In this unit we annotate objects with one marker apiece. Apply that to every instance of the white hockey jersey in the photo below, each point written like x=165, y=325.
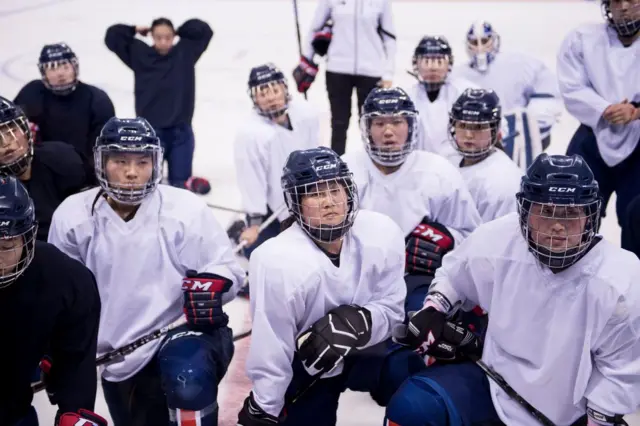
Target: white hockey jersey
x=521, y=82
x=561, y=340
x=294, y=284
x=493, y=184
x=595, y=70
x=433, y=132
x=261, y=150
x=425, y=185
x=363, y=41
x=139, y=264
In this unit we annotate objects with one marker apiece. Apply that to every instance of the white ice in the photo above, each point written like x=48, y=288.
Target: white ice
x=248, y=33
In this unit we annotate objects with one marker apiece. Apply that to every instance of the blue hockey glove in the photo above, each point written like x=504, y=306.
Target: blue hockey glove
x=203, y=298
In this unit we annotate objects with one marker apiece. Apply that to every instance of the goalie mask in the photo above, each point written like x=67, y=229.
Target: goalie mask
x=59, y=67
x=623, y=16
x=483, y=43
x=128, y=159
x=432, y=61
x=474, y=123
x=320, y=193
x=16, y=149
x=269, y=91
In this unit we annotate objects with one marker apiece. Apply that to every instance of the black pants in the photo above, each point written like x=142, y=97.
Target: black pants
x=340, y=88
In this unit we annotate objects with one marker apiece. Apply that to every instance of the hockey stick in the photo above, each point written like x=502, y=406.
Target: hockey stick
x=297, y=18
x=262, y=227
x=225, y=209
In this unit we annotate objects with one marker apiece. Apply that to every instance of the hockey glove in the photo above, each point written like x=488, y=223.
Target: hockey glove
x=304, y=74
x=252, y=415
x=198, y=185
x=235, y=230
x=82, y=417
x=431, y=334
x=425, y=247
x=203, y=298
x=322, y=39
x=324, y=346
x=596, y=418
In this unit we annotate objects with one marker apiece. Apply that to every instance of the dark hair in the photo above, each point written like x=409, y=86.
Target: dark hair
x=285, y=224
x=162, y=21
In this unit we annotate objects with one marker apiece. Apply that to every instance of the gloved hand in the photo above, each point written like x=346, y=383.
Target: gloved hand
x=81, y=418
x=425, y=247
x=203, y=298
x=305, y=74
x=322, y=39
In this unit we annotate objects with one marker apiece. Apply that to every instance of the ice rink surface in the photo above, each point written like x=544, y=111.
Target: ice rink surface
x=248, y=33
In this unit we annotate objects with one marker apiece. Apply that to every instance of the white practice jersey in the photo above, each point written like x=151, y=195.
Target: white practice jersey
x=261, y=150
x=521, y=82
x=561, y=340
x=433, y=132
x=493, y=183
x=426, y=185
x=294, y=284
x=139, y=264
x=595, y=70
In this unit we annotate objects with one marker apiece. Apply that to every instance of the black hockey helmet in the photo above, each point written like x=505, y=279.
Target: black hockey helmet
x=16, y=137
x=304, y=174
x=436, y=48
x=626, y=25
x=18, y=225
x=120, y=136
x=263, y=77
x=52, y=56
x=480, y=110
x=563, y=189
x=389, y=102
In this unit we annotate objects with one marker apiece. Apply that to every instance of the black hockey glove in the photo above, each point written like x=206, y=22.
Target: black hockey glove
x=322, y=39
x=305, y=74
x=425, y=247
x=235, y=230
x=430, y=333
x=325, y=344
x=599, y=418
x=203, y=298
x=252, y=415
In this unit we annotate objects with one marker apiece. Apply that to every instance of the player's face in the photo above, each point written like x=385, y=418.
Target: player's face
x=60, y=74
x=14, y=143
x=433, y=68
x=389, y=132
x=10, y=254
x=270, y=97
x=625, y=10
x=557, y=228
x=325, y=203
x=472, y=137
x=129, y=170
x=480, y=45
x=163, y=36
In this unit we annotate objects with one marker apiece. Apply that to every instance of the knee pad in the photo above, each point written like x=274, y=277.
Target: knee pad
x=420, y=401
x=398, y=366
x=189, y=379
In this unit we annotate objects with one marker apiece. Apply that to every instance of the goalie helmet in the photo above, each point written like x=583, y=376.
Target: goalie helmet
x=474, y=123
x=53, y=56
x=432, y=61
x=559, y=207
x=16, y=138
x=120, y=141
x=483, y=43
x=322, y=177
x=624, y=17
x=269, y=91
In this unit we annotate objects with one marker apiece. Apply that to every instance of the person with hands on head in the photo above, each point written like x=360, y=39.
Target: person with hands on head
x=358, y=39
x=165, y=84
x=564, y=315
x=324, y=289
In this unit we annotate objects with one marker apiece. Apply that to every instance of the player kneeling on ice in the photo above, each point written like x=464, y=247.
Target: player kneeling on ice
x=48, y=303
x=325, y=288
x=491, y=176
x=140, y=239
x=564, y=315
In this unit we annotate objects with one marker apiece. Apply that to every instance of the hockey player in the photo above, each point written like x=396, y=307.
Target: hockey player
x=595, y=63
x=140, y=238
x=491, y=176
x=564, y=315
x=165, y=85
x=277, y=125
x=49, y=303
x=434, y=93
x=525, y=86
x=50, y=171
x=322, y=290
x=62, y=107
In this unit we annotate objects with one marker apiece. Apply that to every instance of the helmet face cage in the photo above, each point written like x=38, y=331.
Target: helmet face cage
x=12, y=133
x=332, y=207
x=274, y=88
x=128, y=193
x=432, y=64
x=9, y=273
x=572, y=239
x=483, y=43
x=64, y=89
x=484, y=139
x=384, y=156
x=626, y=24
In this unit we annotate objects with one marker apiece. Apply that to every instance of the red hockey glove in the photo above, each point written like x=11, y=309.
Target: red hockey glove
x=425, y=247
x=203, y=298
x=81, y=418
x=198, y=185
x=304, y=74
x=322, y=39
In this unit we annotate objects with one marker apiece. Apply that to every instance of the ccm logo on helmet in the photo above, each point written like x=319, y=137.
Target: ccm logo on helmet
x=131, y=138
x=327, y=167
x=561, y=189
